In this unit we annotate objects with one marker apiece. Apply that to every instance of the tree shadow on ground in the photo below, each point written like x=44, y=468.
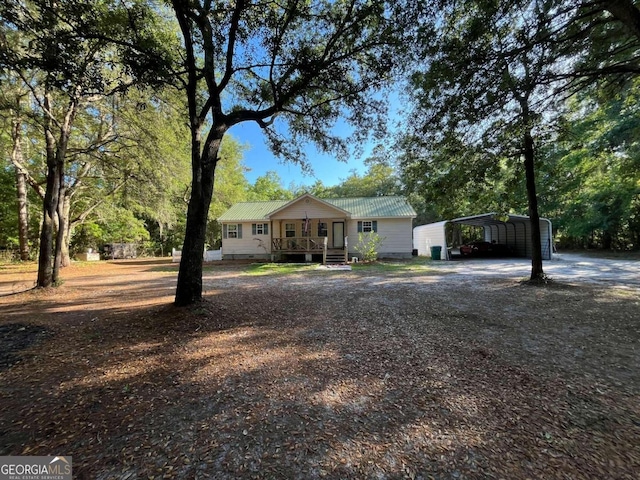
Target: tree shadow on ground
x=271, y=380
x=15, y=337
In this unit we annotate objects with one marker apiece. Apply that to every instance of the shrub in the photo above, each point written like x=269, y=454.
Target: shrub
x=368, y=246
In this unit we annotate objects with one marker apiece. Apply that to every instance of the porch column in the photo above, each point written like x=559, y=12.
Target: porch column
x=272, y=255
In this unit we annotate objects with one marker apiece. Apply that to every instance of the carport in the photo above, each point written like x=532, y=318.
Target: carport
x=514, y=231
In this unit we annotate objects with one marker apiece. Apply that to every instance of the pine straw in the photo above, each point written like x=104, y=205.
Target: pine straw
x=316, y=375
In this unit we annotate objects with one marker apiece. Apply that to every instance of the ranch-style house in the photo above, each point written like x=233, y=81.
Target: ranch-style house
x=309, y=228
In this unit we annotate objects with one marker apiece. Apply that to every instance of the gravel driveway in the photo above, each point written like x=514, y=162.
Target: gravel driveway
x=564, y=267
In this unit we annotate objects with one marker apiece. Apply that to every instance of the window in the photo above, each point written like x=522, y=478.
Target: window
x=233, y=230
x=322, y=229
x=367, y=226
x=289, y=230
x=260, y=229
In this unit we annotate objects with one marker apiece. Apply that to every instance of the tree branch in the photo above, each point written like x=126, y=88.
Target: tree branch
x=233, y=33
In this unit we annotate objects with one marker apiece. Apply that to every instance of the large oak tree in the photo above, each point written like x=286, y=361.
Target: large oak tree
x=293, y=67
x=68, y=54
x=486, y=88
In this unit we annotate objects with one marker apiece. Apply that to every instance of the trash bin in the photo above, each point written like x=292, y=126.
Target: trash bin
x=435, y=252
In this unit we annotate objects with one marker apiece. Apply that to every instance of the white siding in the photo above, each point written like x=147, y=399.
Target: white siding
x=431, y=235
x=314, y=209
x=395, y=232
x=249, y=244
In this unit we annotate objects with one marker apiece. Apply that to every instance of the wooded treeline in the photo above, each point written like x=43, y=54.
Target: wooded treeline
x=115, y=115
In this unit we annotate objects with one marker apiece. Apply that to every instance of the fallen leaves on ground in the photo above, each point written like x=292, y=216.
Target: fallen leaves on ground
x=310, y=375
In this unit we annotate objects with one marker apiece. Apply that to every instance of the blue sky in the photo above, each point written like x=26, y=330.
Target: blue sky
x=260, y=160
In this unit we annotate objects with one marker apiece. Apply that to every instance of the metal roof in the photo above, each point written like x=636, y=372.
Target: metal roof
x=372, y=207
x=245, y=211
x=359, y=207
x=491, y=218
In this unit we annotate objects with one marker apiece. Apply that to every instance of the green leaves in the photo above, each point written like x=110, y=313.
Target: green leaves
x=594, y=173
x=368, y=245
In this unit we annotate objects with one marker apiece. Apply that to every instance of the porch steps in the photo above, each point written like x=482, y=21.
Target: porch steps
x=335, y=258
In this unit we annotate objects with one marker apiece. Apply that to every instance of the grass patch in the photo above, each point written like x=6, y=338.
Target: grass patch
x=174, y=267
x=259, y=269
x=415, y=265
x=19, y=267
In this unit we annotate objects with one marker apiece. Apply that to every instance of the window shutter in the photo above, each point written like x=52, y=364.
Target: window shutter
x=224, y=230
x=253, y=229
x=374, y=225
x=359, y=227
x=266, y=229
x=239, y=230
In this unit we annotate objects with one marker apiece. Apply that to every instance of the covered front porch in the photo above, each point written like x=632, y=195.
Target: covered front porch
x=313, y=248
x=310, y=228
x=317, y=239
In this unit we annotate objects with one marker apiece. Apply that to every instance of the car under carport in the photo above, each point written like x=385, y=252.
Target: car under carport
x=512, y=231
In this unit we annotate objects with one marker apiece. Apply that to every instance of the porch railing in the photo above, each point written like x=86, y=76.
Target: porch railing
x=299, y=244
x=308, y=245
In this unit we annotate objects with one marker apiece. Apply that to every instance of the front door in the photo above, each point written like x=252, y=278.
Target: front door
x=338, y=234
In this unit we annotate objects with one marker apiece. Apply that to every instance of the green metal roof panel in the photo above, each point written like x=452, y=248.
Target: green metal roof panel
x=372, y=207
x=359, y=207
x=251, y=210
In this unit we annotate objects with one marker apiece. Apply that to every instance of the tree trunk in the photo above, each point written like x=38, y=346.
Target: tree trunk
x=536, y=244
x=65, y=258
x=626, y=12
x=21, y=189
x=161, y=235
x=50, y=204
x=203, y=158
x=50, y=258
x=189, y=289
x=62, y=224
x=23, y=215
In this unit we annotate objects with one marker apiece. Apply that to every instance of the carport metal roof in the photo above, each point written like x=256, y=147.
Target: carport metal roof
x=489, y=219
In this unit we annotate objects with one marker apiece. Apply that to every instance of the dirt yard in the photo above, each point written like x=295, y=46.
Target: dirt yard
x=383, y=372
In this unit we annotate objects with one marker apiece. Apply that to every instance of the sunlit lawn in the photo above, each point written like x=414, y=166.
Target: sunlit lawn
x=258, y=269
x=415, y=265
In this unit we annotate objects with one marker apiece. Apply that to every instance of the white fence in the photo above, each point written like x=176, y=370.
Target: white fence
x=209, y=255
x=212, y=255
